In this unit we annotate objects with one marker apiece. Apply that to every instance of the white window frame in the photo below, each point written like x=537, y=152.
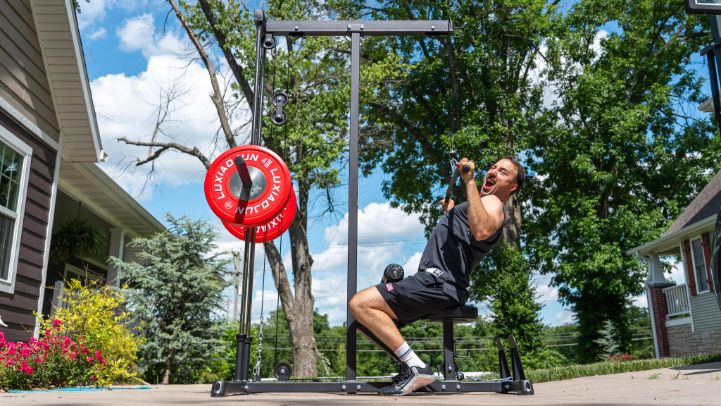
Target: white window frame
x=693, y=263
x=8, y=285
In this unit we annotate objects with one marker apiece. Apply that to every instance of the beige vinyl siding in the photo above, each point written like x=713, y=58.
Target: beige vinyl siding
x=706, y=312
x=23, y=82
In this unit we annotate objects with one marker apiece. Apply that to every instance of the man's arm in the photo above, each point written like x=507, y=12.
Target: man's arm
x=485, y=214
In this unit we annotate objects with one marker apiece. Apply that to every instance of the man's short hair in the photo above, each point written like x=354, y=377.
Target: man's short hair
x=520, y=172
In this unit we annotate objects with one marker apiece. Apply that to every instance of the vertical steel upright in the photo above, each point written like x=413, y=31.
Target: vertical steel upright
x=713, y=56
x=352, y=274
x=243, y=338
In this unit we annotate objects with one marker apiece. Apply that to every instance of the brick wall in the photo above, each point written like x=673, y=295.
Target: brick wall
x=660, y=310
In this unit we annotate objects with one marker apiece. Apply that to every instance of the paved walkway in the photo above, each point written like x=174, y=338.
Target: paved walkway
x=692, y=385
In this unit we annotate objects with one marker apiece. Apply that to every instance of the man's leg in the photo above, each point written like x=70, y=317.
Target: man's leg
x=371, y=310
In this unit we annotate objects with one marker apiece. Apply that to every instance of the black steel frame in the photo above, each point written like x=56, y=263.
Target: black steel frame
x=696, y=7
x=242, y=384
x=713, y=59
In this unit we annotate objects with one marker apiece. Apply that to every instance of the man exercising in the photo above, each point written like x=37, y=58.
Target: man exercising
x=458, y=243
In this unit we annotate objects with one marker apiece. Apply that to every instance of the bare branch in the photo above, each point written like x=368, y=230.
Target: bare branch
x=217, y=96
x=238, y=70
x=164, y=146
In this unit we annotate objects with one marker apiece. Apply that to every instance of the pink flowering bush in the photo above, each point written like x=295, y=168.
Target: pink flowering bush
x=55, y=360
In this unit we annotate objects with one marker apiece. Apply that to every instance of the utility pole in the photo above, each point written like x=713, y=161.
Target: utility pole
x=236, y=282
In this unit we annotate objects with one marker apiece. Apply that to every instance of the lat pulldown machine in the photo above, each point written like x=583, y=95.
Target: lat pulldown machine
x=509, y=382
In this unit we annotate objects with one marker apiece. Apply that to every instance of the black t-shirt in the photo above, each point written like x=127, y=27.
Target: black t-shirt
x=452, y=249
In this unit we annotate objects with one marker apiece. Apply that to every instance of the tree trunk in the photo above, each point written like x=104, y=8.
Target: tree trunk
x=166, y=372
x=512, y=222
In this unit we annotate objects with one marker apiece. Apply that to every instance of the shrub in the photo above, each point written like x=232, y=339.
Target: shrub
x=93, y=315
x=53, y=361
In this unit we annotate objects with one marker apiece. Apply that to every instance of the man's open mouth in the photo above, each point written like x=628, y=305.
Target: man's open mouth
x=488, y=184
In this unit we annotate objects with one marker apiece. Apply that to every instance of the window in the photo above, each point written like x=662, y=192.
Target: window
x=699, y=266
x=14, y=171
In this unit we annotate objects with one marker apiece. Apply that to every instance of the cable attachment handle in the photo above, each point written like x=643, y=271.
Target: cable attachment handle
x=454, y=161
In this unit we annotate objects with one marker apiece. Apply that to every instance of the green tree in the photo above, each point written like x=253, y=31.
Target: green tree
x=473, y=92
x=619, y=154
x=476, y=92
x=173, y=290
x=505, y=279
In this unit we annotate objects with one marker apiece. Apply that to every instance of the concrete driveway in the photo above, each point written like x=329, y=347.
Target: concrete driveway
x=690, y=385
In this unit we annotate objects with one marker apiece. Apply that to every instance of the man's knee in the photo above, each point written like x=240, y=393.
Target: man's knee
x=356, y=304
x=364, y=300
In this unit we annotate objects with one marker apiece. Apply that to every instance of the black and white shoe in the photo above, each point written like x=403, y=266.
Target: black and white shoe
x=408, y=380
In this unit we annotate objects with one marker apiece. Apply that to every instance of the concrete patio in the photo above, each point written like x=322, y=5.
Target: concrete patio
x=690, y=385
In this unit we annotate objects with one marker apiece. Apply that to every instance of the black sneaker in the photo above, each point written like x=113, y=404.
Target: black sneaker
x=408, y=380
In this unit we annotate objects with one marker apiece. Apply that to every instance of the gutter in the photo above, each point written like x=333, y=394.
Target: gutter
x=691, y=229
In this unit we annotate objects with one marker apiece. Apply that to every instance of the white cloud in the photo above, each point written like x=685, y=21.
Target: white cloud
x=138, y=34
x=382, y=234
x=98, y=34
x=564, y=316
x=127, y=106
x=377, y=222
x=91, y=13
x=94, y=12
x=597, y=45
x=640, y=301
x=411, y=266
x=551, y=92
x=546, y=294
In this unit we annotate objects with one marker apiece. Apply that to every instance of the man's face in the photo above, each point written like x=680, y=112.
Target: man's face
x=500, y=180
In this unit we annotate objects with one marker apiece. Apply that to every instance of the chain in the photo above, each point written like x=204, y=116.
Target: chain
x=259, y=358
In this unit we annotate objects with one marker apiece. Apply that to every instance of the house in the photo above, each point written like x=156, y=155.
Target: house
x=685, y=315
x=49, y=147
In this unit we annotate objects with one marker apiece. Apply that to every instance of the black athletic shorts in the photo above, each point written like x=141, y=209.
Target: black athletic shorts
x=416, y=296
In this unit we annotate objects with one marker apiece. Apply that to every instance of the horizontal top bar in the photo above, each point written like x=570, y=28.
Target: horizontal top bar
x=338, y=28
x=711, y=47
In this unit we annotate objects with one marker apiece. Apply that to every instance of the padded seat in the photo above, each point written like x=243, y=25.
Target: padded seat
x=456, y=314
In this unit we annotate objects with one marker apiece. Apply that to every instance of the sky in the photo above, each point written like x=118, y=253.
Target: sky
x=136, y=57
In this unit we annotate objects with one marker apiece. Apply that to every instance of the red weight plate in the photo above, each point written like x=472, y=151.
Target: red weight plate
x=249, y=207
x=273, y=228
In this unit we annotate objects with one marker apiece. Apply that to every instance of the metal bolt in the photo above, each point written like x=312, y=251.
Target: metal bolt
x=458, y=386
x=450, y=368
x=348, y=27
x=433, y=27
x=296, y=28
x=342, y=387
x=443, y=386
x=358, y=387
x=362, y=26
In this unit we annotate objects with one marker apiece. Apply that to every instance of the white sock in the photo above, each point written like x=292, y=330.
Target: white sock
x=408, y=356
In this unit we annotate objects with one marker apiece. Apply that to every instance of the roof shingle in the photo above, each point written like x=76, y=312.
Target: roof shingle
x=706, y=204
